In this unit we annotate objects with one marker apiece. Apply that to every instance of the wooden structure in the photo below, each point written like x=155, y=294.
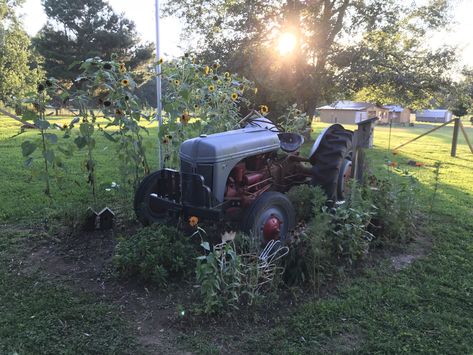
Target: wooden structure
x=397, y=115
x=351, y=112
x=458, y=125
x=362, y=140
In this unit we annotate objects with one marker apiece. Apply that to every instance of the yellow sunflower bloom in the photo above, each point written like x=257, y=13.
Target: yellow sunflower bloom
x=160, y=61
x=193, y=221
x=125, y=82
x=227, y=74
x=264, y=109
x=122, y=68
x=206, y=70
x=234, y=96
x=185, y=118
x=176, y=82
x=211, y=88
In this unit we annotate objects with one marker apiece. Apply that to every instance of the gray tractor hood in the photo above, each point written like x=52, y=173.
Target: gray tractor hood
x=215, y=155
x=230, y=145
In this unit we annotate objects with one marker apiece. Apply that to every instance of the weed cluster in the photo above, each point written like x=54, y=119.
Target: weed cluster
x=335, y=238
x=158, y=254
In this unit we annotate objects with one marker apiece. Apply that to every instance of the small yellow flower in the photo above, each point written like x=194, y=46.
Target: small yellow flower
x=193, y=221
x=227, y=74
x=125, y=82
x=160, y=61
x=206, y=70
x=64, y=126
x=122, y=68
x=215, y=65
x=264, y=109
x=176, y=82
x=211, y=88
x=234, y=96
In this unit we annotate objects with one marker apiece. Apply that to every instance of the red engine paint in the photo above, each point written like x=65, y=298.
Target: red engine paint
x=253, y=178
x=238, y=172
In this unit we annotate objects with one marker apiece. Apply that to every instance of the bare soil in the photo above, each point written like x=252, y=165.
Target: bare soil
x=83, y=262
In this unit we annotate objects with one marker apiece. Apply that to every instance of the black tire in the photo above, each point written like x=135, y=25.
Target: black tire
x=333, y=162
x=144, y=210
x=269, y=205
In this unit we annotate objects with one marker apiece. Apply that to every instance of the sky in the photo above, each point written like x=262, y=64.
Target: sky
x=142, y=13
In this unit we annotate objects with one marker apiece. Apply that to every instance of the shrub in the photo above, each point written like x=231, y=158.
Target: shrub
x=396, y=209
x=157, y=254
x=306, y=199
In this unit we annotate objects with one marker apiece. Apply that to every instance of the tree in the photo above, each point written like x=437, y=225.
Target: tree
x=79, y=29
x=19, y=65
x=332, y=36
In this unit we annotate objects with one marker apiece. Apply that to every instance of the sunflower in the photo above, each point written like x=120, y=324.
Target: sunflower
x=215, y=65
x=160, y=61
x=122, y=68
x=227, y=74
x=234, y=96
x=264, y=109
x=176, y=82
x=211, y=88
x=125, y=82
x=206, y=70
x=196, y=106
x=185, y=118
x=64, y=126
x=193, y=221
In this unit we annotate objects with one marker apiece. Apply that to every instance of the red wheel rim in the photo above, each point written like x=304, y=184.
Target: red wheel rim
x=271, y=228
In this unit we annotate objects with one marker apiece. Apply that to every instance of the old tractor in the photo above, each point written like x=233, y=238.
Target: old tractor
x=240, y=177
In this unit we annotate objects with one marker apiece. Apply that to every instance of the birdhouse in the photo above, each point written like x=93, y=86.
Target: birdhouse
x=106, y=219
x=90, y=220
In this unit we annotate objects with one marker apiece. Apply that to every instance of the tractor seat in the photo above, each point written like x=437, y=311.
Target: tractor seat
x=290, y=142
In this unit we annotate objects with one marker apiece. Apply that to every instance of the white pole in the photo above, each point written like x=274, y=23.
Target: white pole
x=158, y=84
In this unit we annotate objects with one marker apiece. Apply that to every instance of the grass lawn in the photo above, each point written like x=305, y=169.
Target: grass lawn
x=426, y=307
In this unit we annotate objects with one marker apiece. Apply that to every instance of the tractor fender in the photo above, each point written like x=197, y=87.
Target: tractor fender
x=317, y=142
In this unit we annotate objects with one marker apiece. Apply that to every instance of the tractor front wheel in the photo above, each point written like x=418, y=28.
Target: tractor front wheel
x=270, y=217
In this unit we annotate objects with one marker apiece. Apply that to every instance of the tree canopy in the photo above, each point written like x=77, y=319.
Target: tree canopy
x=375, y=49
x=79, y=29
x=19, y=71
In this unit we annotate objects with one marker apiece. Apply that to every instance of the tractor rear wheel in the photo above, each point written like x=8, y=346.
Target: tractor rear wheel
x=146, y=212
x=270, y=217
x=332, y=167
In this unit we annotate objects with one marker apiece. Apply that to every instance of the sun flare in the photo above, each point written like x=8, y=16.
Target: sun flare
x=287, y=43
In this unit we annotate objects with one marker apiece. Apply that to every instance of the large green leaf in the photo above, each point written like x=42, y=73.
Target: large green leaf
x=42, y=124
x=80, y=142
x=27, y=148
x=86, y=129
x=49, y=156
x=51, y=137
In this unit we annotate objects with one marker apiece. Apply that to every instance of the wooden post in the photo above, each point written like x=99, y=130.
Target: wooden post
x=456, y=128
x=363, y=139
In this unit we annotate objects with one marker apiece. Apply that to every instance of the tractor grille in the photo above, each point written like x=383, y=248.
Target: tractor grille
x=206, y=170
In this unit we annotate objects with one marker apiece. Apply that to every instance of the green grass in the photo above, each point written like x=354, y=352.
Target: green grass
x=425, y=308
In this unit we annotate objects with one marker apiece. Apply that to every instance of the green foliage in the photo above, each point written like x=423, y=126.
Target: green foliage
x=397, y=209
x=19, y=65
x=86, y=29
x=306, y=199
x=294, y=120
x=158, y=254
x=199, y=99
x=220, y=278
